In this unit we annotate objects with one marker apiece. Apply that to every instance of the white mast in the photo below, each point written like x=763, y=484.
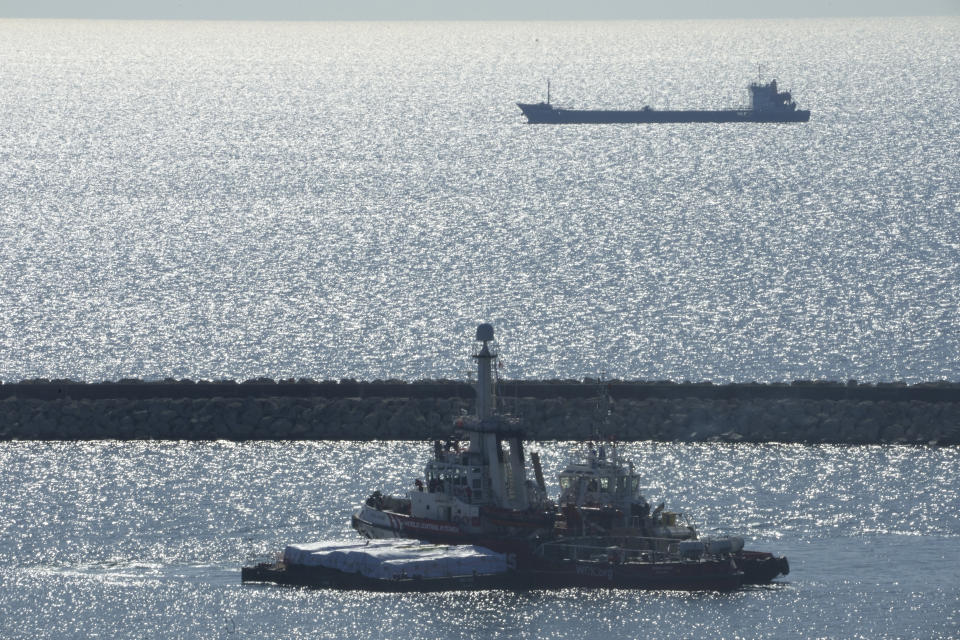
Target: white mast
x=489, y=436
x=484, y=379
x=507, y=472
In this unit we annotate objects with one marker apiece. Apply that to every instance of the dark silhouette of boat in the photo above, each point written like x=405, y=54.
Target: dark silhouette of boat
x=767, y=104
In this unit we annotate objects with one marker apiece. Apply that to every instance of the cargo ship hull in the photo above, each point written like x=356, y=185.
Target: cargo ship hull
x=546, y=114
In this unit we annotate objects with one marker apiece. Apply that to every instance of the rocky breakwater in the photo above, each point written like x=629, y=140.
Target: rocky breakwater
x=557, y=410
x=267, y=418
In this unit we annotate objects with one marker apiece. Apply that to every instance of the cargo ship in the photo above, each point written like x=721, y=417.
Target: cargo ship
x=767, y=104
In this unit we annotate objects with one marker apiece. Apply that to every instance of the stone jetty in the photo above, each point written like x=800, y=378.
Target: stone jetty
x=800, y=412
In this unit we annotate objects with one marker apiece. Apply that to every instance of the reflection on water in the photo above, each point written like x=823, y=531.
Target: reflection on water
x=347, y=200
x=108, y=537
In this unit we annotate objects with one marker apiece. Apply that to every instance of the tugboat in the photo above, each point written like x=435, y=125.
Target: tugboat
x=601, y=496
x=480, y=495
x=479, y=502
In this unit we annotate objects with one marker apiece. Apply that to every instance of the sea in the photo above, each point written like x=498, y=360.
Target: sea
x=234, y=200
x=146, y=540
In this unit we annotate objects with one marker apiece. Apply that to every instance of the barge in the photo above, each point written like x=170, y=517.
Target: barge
x=406, y=566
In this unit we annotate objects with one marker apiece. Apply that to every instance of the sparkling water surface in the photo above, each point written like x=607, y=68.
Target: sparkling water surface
x=348, y=200
x=146, y=539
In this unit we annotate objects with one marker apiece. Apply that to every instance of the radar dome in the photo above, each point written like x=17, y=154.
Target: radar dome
x=485, y=332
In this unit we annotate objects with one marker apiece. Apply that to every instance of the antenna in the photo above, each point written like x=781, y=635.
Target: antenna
x=548, y=90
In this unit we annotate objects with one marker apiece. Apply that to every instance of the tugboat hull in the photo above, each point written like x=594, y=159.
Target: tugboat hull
x=378, y=525
x=761, y=567
x=757, y=567
x=720, y=575
x=497, y=524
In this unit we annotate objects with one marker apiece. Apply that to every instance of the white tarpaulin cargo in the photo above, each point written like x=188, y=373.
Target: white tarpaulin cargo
x=389, y=559
x=300, y=553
